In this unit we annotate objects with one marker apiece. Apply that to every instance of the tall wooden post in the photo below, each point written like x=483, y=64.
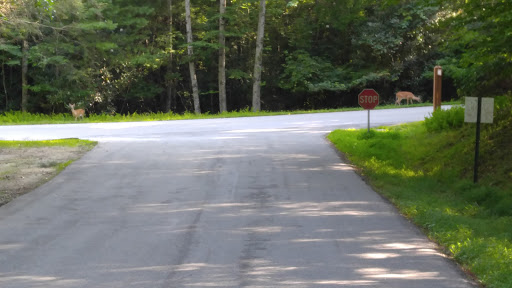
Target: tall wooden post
x=438, y=84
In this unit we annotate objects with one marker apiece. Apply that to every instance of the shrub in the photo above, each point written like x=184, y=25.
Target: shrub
x=445, y=119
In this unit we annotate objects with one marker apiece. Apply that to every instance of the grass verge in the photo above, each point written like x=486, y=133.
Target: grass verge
x=70, y=142
x=19, y=118
x=428, y=176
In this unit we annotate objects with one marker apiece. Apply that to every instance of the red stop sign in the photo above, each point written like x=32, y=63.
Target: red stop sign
x=368, y=99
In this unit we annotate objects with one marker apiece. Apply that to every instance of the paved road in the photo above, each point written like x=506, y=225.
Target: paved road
x=253, y=202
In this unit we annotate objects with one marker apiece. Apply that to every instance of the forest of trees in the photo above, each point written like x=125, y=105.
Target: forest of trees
x=125, y=56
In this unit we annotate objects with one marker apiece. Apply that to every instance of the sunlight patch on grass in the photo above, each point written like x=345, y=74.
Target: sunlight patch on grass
x=383, y=167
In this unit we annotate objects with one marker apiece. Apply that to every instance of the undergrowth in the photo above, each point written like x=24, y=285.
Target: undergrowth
x=18, y=117
x=445, y=119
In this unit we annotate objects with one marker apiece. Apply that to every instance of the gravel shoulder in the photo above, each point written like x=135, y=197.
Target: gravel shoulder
x=24, y=169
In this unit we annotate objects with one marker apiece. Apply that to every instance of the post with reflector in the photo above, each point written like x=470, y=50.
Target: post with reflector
x=438, y=84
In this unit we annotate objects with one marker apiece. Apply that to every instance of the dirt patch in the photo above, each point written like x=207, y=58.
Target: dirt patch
x=24, y=169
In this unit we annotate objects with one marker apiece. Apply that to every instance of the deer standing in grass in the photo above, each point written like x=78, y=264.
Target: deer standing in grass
x=78, y=113
x=405, y=95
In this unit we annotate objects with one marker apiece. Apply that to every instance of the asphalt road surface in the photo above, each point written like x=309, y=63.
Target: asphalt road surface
x=252, y=202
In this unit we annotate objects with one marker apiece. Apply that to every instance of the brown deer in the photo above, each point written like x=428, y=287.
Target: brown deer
x=78, y=113
x=405, y=95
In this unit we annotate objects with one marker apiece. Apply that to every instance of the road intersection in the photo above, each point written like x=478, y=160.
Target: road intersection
x=247, y=202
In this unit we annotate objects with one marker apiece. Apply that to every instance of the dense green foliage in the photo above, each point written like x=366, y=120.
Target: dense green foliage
x=428, y=176
x=445, y=119
x=114, y=56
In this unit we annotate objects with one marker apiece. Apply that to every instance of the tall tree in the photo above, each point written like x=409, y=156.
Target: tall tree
x=24, y=69
x=222, y=58
x=256, y=86
x=191, y=64
x=478, y=54
x=10, y=55
x=169, y=64
x=24, y=19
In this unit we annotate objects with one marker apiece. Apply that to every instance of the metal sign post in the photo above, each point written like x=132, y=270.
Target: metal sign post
x=477, y=141
x=478, y=110
x=368, y=120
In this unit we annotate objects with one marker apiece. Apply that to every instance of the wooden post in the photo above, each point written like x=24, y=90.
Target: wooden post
x=438, y=84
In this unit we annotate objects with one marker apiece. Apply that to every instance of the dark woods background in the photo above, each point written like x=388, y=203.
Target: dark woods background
x=126, y=56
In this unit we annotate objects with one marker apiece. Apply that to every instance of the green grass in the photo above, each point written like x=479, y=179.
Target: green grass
x=62, y=166
x=19, y=118
x=71, y=142
x=428, y=176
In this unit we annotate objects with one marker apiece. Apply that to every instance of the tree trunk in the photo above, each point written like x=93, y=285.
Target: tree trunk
x=256, y=86
x=191, y=65
x=5, y=86
x=222, y=59
x=24, y=69
x=168, y=100
x=56, y=50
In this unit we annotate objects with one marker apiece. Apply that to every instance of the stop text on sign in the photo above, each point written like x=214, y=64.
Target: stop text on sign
x=368, y=99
